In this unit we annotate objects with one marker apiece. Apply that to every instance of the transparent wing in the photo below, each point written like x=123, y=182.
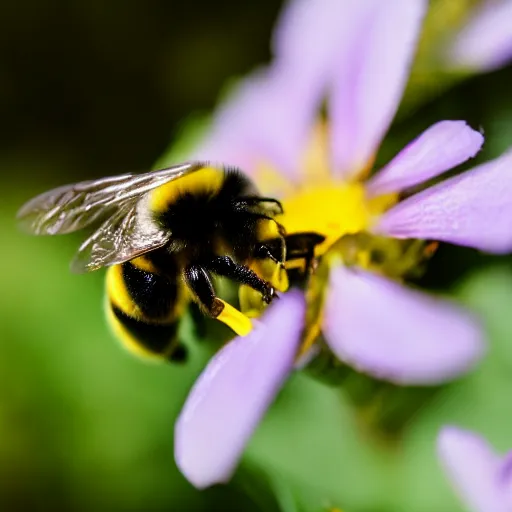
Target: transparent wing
x=128, y=233
x=73, y=207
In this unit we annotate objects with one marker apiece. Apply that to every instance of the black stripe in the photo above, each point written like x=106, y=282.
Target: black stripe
x=154, y=294
x=156, y=338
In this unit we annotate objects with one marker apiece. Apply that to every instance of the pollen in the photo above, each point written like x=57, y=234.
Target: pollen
x=333, y=211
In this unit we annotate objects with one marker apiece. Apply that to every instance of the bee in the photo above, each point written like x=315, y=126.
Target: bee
x=163, y=235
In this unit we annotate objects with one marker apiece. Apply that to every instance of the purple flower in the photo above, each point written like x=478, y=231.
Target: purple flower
x=355, y=55
x=481, y=477
x=226, y=403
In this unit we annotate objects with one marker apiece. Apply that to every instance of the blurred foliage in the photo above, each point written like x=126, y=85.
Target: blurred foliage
x=90, y=88
x=81, y=81
x=429, y=74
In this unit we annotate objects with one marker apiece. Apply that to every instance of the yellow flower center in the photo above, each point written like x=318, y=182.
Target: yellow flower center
x=318, y=202
x=332, y=211
x=342, y=212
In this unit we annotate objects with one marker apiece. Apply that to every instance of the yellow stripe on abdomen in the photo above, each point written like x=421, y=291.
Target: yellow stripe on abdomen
x=118, y=294
x=128, y=341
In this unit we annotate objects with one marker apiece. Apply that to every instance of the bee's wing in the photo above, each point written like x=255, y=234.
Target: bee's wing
x=73, y=207
x=128, y=233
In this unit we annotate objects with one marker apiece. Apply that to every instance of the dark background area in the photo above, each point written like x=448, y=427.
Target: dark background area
x=98, y=87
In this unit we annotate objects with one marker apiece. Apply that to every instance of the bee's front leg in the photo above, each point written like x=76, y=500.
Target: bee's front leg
x=226, y=267
x=199, y=282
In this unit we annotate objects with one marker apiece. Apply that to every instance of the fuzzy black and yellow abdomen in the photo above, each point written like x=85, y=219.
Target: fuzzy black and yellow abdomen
x=144, y=307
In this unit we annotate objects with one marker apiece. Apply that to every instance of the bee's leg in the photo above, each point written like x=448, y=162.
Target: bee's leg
x=226, y=267
x=274, y=250
x=198, y=280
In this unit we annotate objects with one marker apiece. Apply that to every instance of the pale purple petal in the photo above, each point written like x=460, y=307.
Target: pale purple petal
x=233, y=392
x=311, y=35
x=264, y=120
x=472, y=209
x=505, y=477
x=439, y=148
x=370, y=78
x=270, y=116
x=485, y=42
x=473, y=468
x=394, y=333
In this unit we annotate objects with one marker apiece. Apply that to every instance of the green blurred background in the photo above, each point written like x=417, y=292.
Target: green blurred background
x=92, y=88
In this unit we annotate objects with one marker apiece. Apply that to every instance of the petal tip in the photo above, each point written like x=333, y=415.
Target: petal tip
x=396, y=333
x=442, y=146
x=448, y=434
x=201, y=477
x=471, y=209
x=475, y=139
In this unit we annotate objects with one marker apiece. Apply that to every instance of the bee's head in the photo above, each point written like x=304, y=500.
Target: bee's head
x=221, y=217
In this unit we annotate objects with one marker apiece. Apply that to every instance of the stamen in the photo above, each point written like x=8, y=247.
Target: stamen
x=235, y=320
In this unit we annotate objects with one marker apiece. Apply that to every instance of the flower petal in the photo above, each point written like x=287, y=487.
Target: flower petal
x=485, y=42
x=264, y=120
x=311, y=34
x=370, y=78
x=394, y=333
x=472, y=209
x=269, y=117
x=233, y=392
x=439, y=148
x=473, y=468
x=505, y=477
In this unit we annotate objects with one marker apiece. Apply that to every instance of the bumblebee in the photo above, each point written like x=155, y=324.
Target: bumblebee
x=162, y=235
